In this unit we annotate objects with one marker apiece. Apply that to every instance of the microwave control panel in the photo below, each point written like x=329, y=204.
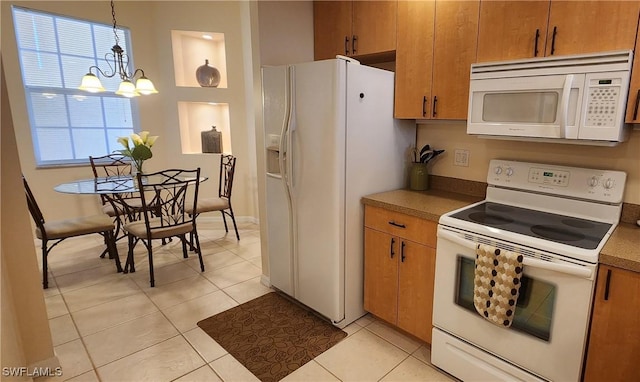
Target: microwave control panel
x=603, y=104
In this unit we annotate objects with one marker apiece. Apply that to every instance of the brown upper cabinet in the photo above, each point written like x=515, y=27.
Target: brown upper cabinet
x=633, y=102
x=524, y=29
x=353, y=28
x=435, y=49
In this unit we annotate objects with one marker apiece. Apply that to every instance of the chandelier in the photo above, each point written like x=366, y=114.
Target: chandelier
x=118, y=62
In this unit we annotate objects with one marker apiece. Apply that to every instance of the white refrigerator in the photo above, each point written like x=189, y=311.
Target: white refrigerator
x=330, y=138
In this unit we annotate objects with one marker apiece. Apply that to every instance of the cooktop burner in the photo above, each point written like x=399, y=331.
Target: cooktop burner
x=542, y=225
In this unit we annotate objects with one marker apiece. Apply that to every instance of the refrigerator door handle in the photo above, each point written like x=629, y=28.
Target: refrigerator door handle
x=288, y=179
x=283, y=146
x=291, y=121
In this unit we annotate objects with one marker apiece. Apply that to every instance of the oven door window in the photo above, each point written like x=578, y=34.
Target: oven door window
x=534, y=308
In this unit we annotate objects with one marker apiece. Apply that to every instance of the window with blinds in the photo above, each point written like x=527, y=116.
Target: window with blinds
x=67, y=124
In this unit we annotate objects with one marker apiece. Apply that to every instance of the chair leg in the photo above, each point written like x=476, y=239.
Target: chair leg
x=118, y=224
x=106, y=250
x=233, y=218
x=129, y=266
x=152, y=282
x=197, y=239
x=109, y=237
x=183, y=239
x=45, y=268
x=224, y=219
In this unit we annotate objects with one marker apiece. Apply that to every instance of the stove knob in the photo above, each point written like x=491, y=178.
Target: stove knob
x=608, y=184
x=509, y=171
x=593, y=181
x=498, y=170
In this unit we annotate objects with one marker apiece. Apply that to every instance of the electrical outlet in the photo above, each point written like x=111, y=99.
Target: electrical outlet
x=461, y=158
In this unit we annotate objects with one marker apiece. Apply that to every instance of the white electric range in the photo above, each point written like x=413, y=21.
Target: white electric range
x=559, y=218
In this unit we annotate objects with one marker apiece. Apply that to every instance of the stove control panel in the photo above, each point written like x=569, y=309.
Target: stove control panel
x=575, y=182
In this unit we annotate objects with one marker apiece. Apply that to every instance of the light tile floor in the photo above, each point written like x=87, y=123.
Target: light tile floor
x=109, y=326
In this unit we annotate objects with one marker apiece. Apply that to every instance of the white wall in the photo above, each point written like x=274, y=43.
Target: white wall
x=26, y=339
x=150, y=23
x=286, y=32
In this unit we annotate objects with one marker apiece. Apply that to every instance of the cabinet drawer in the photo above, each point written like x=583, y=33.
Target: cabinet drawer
x=398, y=224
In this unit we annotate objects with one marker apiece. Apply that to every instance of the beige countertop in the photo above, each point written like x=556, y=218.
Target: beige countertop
x=429, y=205
x=622, y=250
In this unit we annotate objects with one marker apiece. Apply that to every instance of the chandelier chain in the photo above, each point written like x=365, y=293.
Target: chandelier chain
x=115, y=28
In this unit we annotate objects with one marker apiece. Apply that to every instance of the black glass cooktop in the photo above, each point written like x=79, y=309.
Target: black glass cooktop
x=542, y=225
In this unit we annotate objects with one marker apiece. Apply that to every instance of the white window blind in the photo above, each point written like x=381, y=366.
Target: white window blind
x=67, y=124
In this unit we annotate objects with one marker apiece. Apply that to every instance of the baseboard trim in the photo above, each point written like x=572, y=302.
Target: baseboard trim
x=218, y=218
x=49, y=367
x=264, y=280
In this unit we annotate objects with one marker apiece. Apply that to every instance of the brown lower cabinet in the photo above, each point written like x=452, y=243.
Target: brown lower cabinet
x=613, y=353
x=399, y=267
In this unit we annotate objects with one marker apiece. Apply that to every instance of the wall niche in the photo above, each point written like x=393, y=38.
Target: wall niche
x=198, y=117
x=191, y=50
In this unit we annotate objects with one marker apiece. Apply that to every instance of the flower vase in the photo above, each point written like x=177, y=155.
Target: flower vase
x=419, y=177
x=135, y=170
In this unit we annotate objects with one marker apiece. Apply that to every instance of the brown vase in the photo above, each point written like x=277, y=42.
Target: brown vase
x=211, y=141
x=208, y=76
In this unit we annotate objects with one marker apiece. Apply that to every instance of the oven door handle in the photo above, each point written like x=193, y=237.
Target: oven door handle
x=574, y=270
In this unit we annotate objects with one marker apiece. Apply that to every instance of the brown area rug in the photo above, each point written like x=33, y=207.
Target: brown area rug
x=271, y=335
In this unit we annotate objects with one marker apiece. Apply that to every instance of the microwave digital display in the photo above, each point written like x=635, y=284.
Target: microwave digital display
x=605, y=82
x=547, y=173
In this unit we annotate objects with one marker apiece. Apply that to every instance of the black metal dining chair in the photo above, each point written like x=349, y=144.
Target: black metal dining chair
x=129, y=204
x=59, y=230
x=167, y=197
x=221, y=203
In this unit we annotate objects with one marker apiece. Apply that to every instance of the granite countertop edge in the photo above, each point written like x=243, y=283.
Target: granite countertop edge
x=622, y=250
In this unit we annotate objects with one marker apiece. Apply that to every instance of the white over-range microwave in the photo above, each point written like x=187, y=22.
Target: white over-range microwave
x=572, y=99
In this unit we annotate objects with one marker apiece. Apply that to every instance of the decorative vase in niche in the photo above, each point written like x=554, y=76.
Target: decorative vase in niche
x=208, y=76
x=211, y=141
x=419, y=177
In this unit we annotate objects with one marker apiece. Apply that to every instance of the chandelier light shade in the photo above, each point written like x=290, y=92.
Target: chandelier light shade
x=118, y=62
x=91, y=83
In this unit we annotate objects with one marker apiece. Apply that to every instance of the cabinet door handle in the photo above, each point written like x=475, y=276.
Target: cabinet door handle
x=424, y=106
x=353, y=44
x=393, y=242
x=635, y=111
x=535, y=46
x=346, y=45
x=606, y=285
x=553, y=40
x=402, y=252
x=435, y=103
x=397, y=224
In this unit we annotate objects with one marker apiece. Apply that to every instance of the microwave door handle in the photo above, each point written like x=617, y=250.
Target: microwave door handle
x=574, y=270
x=564, y=105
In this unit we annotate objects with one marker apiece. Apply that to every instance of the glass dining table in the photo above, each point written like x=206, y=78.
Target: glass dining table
x=120, y=191
x=105, y=185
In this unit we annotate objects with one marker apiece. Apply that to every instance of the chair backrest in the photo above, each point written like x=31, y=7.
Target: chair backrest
x=111, y=165
x=164, y=195
x=34, y=210
x=227, y=170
